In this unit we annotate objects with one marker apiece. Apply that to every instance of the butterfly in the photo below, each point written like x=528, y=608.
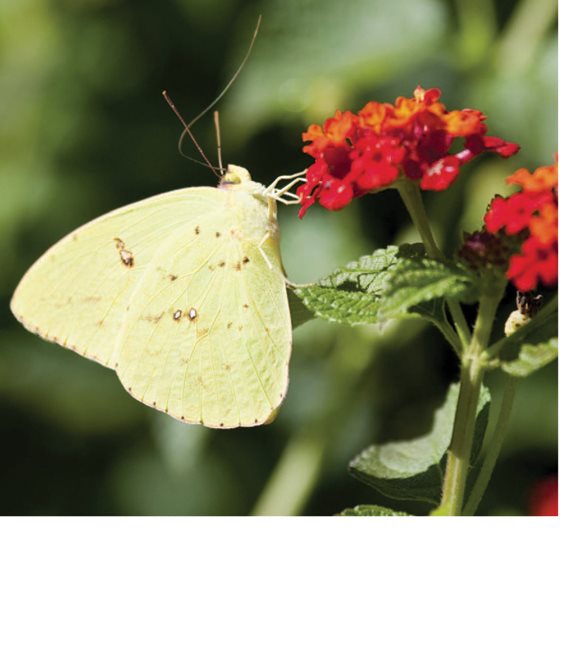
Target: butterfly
x=182, y=294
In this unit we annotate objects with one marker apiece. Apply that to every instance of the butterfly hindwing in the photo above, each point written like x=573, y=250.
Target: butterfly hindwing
x=211, y=345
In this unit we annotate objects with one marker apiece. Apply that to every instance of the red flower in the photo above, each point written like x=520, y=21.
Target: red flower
x=544, y=498
x=533, y=214
x=366, y=152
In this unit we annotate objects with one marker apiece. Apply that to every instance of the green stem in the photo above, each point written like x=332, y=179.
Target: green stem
x=293, y=479
x=450, y=335
x=410, y=194
x=493, y=448
x=412, y=197
x=472, y=373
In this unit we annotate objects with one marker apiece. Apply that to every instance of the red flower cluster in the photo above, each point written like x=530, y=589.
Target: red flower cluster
x=360, y=153
x=533, y=214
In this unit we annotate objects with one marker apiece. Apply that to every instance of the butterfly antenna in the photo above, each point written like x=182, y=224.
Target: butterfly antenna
x=218, y=141
x=222, y=93
x=188, y=132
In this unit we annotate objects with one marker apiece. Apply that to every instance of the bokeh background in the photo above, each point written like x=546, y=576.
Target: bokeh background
x=84, y=129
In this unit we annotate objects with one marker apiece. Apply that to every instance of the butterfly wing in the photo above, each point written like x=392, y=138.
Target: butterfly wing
x=212, y=344
x=76, y=293
x=179, y=296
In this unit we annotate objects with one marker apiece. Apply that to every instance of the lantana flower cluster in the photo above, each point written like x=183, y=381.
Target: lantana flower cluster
x=532, y=216
x=359, y=153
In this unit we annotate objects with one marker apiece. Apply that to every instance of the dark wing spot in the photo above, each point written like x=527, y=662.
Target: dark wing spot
x=221, y=424
x=245, y=305
x=197, y=230
x=172, y=277
x=228, y=325
x=245, y=260
x=222, y=264
x=218, y=234
x=182, y=417
x=126, y=257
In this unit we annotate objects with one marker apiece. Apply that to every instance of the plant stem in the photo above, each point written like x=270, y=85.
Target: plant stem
x=494, y=446
x=412, y=198
x=293, y=478
x=472, y=373
x=410, y=194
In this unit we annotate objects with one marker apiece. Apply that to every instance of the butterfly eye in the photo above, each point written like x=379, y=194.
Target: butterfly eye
x=230, y=178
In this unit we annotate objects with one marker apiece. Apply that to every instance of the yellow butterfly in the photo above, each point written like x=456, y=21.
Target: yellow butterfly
x=183, y=294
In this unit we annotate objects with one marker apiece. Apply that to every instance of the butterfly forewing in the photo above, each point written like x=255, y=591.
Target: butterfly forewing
x=76, y=293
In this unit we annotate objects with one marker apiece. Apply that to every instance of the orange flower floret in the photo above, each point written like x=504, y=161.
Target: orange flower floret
x=462, y=123
x=545, y=177
x=360, y=153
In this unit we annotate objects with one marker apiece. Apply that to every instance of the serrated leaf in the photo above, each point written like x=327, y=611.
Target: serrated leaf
x=418, y=281
x=371, y=510
x=532, y=357
x=410, y=470
x=395, y=282
x=351, y=294
x=299, y=314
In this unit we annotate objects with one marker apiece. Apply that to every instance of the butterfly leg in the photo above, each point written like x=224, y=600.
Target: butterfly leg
x=272, y=186
x=264, y=255
x=284, y=195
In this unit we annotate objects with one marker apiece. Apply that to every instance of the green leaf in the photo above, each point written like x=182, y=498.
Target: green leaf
x=371, y=510
x=299, y=314
x=531, y=347
x=351, y=294
x=395, y=282
x=410, y=470
x=532, y=357
x=417, y=281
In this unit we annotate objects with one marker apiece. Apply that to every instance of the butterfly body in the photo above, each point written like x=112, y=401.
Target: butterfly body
x=183, y=294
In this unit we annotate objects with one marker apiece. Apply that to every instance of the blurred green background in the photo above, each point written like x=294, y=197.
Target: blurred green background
x=84, y=129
